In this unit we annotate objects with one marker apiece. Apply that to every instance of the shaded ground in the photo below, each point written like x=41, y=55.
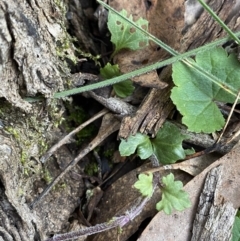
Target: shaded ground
x=31, y=65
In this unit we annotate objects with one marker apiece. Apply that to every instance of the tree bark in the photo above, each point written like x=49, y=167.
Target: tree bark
x=33, y=46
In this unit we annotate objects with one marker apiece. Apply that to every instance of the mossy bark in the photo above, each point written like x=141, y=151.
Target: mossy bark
x=33, y=45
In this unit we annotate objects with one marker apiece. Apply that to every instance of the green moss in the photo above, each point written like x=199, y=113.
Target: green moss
x=13, y=132
x=56, y=113
x=90, y=56
x=63, y=47
x=60, y=6
x=30, y=132
x=63, y=185
x=66, y=46
x=109, y=153
x=91, y=168
x=64, y=43
x=24, y=157
x=47, y=176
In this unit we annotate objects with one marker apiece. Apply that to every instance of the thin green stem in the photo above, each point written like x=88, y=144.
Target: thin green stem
x=142, y=70
x=177, y=57
x=221, y=23
x=197, y=68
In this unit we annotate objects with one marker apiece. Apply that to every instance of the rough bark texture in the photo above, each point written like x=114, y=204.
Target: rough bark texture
x=28, y=61
x=205, y=29
x=213, y=221
x=33, y=44
x=23, y=177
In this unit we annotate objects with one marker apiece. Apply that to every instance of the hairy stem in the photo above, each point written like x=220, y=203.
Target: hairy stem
x=173, y=52
x=114, y=222
x=143, y=70
x=220, y=22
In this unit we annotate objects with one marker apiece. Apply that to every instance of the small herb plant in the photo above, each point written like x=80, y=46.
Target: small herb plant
x=167, y=147
x=123, y=36
x=122, y=89
x=212, y=76
x=173, y=197
x=195, y=96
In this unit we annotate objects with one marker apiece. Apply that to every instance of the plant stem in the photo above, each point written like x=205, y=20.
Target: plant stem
x=149, y=68
x=143, y=70
x=170, y=50
x=221, y=23
x=114, y=222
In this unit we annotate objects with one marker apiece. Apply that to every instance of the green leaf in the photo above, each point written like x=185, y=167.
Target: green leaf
x=144, y=184
x=122, y=89
x=109, y=71
x=189, y=151
x=167, y=145
x=173, y=197
x=236, y=228
x=140, y=142
x=123, y=35
x=195, y=96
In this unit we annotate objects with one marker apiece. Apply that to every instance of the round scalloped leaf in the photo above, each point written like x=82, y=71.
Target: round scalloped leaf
x=167, y=145
x=144, y=184
x=123, y=35
x=140, y=142
x=195, y=96
x=173, y=197
x=122, y=89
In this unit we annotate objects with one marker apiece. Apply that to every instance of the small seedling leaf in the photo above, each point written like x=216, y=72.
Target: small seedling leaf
x=144, y=184
x=173, y=197
x=122, y=89
x=123, y=35
x=195, y=95
x=139, y=142
x=110, y=71
x=167, y=145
